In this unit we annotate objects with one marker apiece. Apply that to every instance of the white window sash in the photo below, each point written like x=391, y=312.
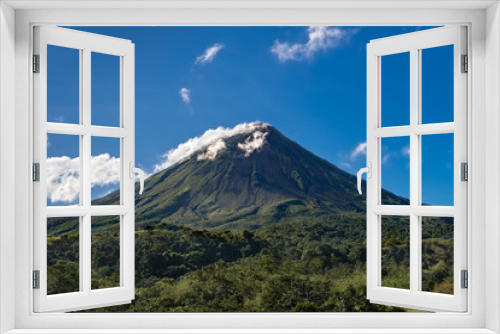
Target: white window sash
x=86, y=297
x=415, y=297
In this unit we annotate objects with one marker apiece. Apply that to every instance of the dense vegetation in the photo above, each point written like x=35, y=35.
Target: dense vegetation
x=299, y=266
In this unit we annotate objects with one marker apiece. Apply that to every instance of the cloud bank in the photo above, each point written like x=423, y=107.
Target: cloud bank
x=319, y=39
x=209, y=55
x=211, y=143
x=63, y=175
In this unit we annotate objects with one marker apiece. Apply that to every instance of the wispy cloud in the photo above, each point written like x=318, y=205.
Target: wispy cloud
x=360, y=150
x=319, y=39
x=385, y=158
x=63, y=173
x=207, y=145
x=406, y=151
x=209, y=55
x=349, y=160
x=185, y=95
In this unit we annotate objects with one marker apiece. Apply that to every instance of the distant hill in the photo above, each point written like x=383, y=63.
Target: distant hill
x=248, y=181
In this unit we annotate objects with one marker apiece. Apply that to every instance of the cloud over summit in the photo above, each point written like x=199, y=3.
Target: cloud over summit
x=211, y=143
x=253, y=142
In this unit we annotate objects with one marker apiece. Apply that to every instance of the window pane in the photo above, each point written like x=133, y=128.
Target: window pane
x=395, y=170
x=395, y=252
x=437, y=85
x=437, y=254
x=63, y=169
x=105, y=90
x=105, y=252
x=105, y=171
x=63, y=255
x=63, y=85
x=437, y=169
x=395, y=89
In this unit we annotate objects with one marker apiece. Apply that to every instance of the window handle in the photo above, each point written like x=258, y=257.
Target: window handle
x=142, y=176
x=368, y=171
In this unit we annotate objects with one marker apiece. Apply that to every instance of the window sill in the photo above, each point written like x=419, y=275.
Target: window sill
x=251, y=331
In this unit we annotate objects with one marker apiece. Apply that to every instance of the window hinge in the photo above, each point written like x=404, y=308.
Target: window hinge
x=465, y=279
x=36, y=63
x=36, y=279
x=464, y=171
x=465, y=64
x=36, y=172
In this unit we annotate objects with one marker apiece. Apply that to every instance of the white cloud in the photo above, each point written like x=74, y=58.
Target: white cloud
x=213, y=150
x=185, y=95
x=345, y=165
x=350, y=160
x=209, y=54
x=210, y=137
x=385, y=158
x=63, y=175
x=358, y=151
x=406, y=150
x=253, y=142
x=105, y=170
x=63, y=183
x=319, y=39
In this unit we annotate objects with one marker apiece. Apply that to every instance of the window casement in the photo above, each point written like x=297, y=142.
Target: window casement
x=482, y=128
x=417, y=213
x=84, y=132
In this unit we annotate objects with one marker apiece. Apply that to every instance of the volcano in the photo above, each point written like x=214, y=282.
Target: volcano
x=247, y=181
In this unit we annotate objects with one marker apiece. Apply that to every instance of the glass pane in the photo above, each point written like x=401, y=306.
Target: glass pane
x=63, y=169
x=395, y=90
x=437, y=169
x=105, y=90
x=395, y=252
x=437, y=85
x=395, y=170
x=63, y=85
x=105, y=252
x=437, y=254
x=63, y=255
x=105, y=171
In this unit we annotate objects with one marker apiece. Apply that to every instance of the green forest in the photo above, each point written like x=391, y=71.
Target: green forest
x=306, y=264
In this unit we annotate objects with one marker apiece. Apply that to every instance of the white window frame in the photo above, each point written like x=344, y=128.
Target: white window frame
x=414, y=43
x=85, y=297
x=482, y=19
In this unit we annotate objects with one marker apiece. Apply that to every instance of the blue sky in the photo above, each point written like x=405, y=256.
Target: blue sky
x=309, y=84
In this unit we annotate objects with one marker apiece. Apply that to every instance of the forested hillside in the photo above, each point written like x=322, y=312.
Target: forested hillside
x=293, y=266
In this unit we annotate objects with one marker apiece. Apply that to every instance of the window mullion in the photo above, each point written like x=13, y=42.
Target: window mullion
x=415, y=248
x=85, y=237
